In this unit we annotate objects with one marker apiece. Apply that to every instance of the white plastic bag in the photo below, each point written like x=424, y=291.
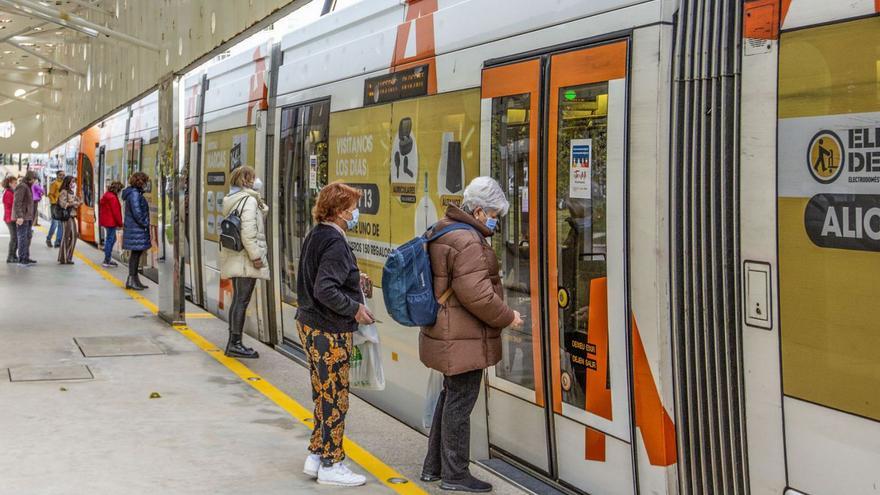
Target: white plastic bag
x=365, y=363
x=435, y=386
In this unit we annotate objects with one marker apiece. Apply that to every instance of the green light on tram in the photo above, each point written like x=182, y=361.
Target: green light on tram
x=570, y=94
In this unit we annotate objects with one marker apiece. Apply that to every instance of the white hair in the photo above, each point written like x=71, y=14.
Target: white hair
x=485, y=193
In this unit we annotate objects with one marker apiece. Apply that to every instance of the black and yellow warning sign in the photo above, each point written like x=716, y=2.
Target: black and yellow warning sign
x=825, y=157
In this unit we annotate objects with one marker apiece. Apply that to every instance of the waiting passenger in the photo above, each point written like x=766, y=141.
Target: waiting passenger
x=331, y=305
x=466, y=339
x=136, y=230
x=38, y=192
x=8, y=198
x=250, y=264
x=24, y=212
x=56, y=225
x=110, y=217
x=69, y=202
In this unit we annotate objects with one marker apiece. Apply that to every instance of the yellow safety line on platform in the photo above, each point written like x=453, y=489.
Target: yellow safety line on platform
x=354, y=451
x=198, y=316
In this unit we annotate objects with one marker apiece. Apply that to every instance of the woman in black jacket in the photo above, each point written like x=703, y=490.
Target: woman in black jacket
x=331, y=305
x=136, y=230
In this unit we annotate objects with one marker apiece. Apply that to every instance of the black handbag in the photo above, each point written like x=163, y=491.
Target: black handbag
x=59, y=213
x=230, y=229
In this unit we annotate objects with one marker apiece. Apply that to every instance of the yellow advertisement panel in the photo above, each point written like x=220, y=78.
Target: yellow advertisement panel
x=829, y=215
x=224, y=152
x=410, y=158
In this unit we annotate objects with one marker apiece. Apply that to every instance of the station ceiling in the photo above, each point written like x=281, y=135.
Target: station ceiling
x=66, y=63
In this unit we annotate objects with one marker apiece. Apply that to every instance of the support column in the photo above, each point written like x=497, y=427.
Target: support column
x=172, y=305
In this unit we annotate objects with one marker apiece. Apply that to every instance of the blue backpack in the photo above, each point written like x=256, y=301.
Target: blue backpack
x=408, y=282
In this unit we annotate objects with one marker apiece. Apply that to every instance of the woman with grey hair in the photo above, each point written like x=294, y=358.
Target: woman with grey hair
x=466, y=338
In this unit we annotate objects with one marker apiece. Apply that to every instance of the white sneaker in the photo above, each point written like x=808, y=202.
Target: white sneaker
x=339, y=474
x=313, y=462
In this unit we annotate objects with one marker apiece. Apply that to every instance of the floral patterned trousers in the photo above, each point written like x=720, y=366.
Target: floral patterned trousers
x=328, y=355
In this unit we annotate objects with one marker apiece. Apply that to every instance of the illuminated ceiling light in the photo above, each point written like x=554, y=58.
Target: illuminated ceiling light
x=35, y=145
x=7, y=52
x=7, y=129
x=19, y=92
x=59, y=33
x=26, y=44
x=41, y=73
x=38, y=116
x=38, y=28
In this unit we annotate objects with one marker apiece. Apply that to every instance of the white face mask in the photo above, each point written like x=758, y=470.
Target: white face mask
x=258, y=185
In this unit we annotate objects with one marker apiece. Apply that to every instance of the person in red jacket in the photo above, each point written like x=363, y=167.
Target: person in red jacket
x=110, y=217
x=9, y=184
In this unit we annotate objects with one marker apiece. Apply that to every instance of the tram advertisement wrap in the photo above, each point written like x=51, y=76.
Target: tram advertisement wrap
x=829, y=215
x=410, y=159
x=224, y=152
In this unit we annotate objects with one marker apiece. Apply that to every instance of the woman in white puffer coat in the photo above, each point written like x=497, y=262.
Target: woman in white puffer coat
x=250, y=264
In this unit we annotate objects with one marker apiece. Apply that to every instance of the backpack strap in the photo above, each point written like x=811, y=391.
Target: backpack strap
x=440, y=233
x=236, y=210
x=445, y=230
x=445, y=296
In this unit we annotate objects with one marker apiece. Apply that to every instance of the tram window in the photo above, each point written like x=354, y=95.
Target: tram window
x=580, y=225
x=87, y=181
x=303, y=172
x=510, y=167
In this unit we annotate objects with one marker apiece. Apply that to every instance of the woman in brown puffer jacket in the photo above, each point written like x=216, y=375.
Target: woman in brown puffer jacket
x=466, y=338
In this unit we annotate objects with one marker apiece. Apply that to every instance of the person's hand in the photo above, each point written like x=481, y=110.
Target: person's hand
x=19, y=221
x=364, y=316
x=517, y=321
x=258, y=263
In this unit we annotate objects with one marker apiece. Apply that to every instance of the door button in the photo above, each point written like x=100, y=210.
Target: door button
x=757, y=288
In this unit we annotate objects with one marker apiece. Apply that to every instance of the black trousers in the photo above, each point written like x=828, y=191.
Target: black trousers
x=134, y=262
x=242, y=290
x=449, y=444
x=13, y=240
x=24, y=234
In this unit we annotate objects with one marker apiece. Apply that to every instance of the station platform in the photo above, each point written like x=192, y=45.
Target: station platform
x=98, y=395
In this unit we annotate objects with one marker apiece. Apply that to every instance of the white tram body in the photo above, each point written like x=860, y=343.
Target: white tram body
x=580, y=110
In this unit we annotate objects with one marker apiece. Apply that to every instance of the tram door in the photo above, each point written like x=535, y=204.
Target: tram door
x=558, y=402
x=305, y=134
x=102, y=188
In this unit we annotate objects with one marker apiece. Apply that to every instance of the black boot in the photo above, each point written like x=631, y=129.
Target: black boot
x=234, y=348
x=133, y=283
x=138, y=284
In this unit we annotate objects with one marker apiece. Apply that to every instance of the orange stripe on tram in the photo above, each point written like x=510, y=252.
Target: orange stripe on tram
x=653, y=422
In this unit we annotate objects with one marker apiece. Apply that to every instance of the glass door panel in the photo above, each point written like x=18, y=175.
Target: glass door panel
x=302, y=173
x=511, y=100
x=589, y=330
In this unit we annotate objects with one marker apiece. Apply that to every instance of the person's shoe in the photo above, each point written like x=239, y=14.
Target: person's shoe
x=339, y=474
x=31, y=261
x=12, y=259
x=137, y=283
x=109, y=264
x=469, y=484
x=130, y=284
x=48, y=243
x=24, y=263
x=234, y=348
x=429, y=477
x=56, y=246
x=313, y=463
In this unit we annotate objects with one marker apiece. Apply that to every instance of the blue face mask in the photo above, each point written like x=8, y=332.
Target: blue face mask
x=351, y=224
x=491, y=223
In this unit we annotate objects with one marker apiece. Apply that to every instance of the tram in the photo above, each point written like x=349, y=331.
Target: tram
x=657, y=244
